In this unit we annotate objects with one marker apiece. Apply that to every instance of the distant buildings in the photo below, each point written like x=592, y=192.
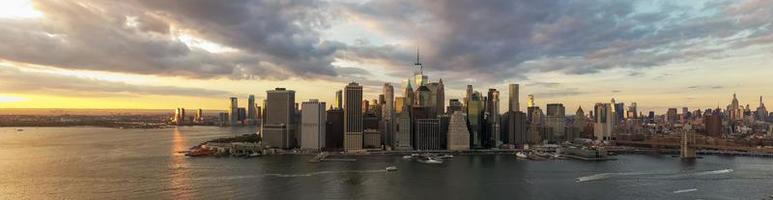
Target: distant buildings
x=234, y=111
x=671, y=116
x=334, y=129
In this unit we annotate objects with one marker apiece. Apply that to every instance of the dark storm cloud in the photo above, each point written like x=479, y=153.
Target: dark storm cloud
x=274, y=39
x=17, y=81
x=488, y=41
x=503, y=39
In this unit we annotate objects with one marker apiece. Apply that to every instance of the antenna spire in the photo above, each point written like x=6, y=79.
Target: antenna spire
x=418, y=61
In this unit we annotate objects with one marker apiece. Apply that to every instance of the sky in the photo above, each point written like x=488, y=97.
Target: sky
x=197, y=53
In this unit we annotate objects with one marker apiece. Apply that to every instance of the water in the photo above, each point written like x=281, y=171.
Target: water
x=105, y=163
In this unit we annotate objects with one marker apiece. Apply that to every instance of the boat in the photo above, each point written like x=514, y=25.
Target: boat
x=252, y=155
x=19, y=130
x=407, y=156
x=391, y=168
x=429, y=160
x=521, y=155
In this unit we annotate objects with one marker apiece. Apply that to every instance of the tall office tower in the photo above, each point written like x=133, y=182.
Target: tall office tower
x=762, y=112
x=279, y=125
x=422, y=96
x=409, y=97
x=419, y=78
x=399, y=104
x=619, y=111
x=556, y=119
x=242, y=114
x=437, y=96
x=475, y=110
x=334, y=129
x=671, y=116
x=530, y=107
x=458, y=134
x=734, y=110
x=515, y=128
x=252, y=114
x=234, y=111
x=403, y=129
x=199, y=116
x=603, y=121
x=313, y=119
x=580, y=121
x=388, y=114
x=713, y=124
x=493, y=119
x=454, y=105
x=365, y=106
x=339, y=99
x=467, y=96
x=353, y=117
x=179, y=116
x=428, y=135
x=512, y=103
x=537, y=130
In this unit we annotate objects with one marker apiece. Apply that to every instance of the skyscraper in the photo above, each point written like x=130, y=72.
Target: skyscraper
x=513, y=104
x=234, y=111
x=252, y=115
x=515, y=128
x=556, y=119
x=353, y=134
x=313, y=119
x=388, y=114
x=458, y=134
x=279, y=125
x=603, y=121
x=762, y=112
x=492, y=109
x=713, y=124
x=334, y=130
x=475, y=110
x=339, y=99
x=403, y=129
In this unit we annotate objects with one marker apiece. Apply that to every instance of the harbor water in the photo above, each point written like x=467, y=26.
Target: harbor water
x=108, y=163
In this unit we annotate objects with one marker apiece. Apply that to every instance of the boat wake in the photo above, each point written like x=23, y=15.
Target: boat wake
x=650, y=175
x=685, y=190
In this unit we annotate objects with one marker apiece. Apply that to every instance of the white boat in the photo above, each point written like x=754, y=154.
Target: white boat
x=407, y=157
x=391, y=168
x=444, y=156
x=429, y=160
x=521, y=155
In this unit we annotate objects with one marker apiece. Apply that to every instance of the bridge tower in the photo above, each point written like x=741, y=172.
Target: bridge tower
x=688, y=143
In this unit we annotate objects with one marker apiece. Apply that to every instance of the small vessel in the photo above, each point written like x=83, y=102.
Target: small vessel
x=391, y=168
x=407, y=156
x=198, y=152
x=429, y=160
x=521, y=155
x=252, y=155
x=19, y=130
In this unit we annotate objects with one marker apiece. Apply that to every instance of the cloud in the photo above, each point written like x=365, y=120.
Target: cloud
x=487, y=41
x=495, y=40
x=705, y=87
x=18, y=81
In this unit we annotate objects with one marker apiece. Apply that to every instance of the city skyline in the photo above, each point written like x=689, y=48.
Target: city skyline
x=157, y=55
